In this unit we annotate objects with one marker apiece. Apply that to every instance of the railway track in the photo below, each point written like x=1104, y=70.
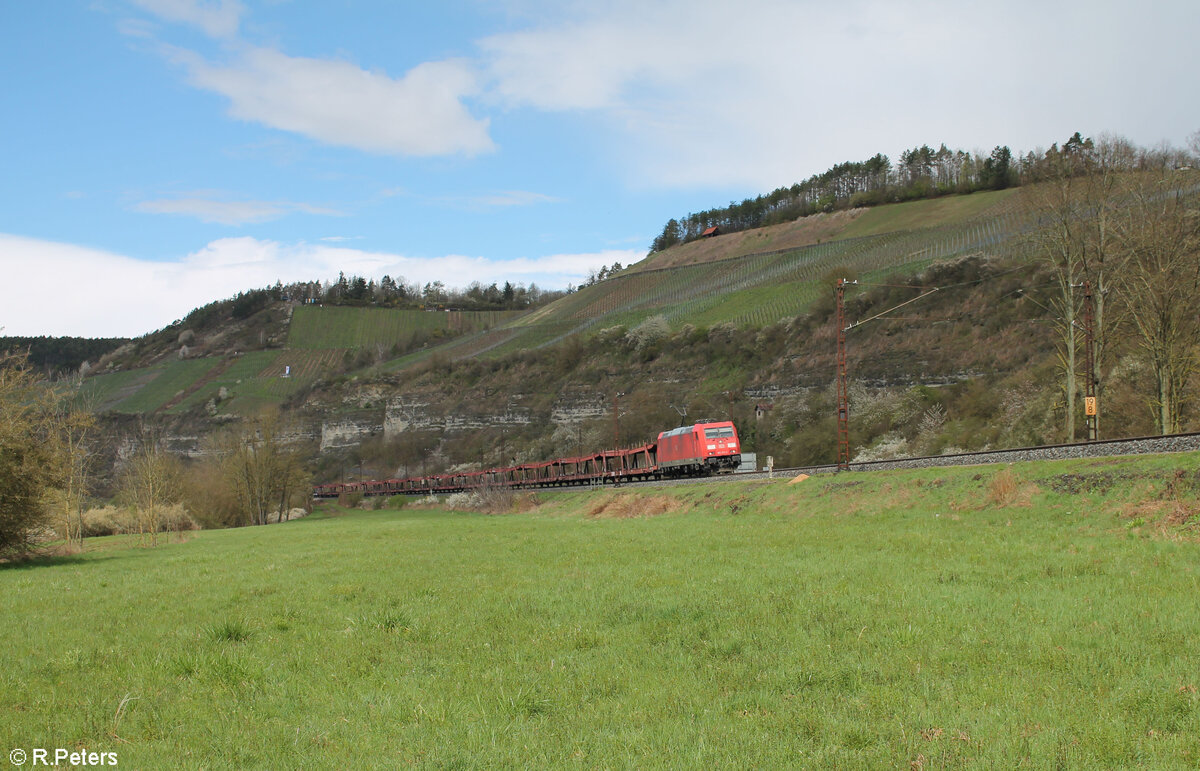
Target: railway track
x=1143, y=445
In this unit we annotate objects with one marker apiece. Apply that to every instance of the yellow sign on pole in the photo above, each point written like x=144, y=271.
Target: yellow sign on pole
x=1089, y=406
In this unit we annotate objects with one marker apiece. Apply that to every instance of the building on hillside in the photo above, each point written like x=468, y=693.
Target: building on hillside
x=713, y=231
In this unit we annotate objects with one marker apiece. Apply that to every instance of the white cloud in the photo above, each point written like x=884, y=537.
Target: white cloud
x=698, y=92
x=339, y=103
x=225, y=212
x=101, y=294
x=218, y=18
x=507, y=198
x=501, y=199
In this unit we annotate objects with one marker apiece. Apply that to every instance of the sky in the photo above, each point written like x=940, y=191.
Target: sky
x=156, y=155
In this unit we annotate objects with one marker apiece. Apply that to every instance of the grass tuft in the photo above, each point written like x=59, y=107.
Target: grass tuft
x=229, y=631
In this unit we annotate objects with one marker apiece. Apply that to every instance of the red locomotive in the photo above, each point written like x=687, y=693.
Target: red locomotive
x=702, y=449
x=699, y=449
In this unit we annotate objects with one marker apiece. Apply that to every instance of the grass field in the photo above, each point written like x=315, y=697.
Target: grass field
x=1041, y=616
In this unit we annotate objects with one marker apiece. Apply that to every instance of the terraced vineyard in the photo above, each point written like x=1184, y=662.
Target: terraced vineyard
x=148, y=390
x=746, y=290
x=318, y=327
x=753, y=290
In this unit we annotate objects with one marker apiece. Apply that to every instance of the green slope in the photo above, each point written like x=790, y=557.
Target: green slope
x=747, y=290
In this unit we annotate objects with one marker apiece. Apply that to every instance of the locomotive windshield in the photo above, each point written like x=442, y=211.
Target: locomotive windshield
x=724, y=432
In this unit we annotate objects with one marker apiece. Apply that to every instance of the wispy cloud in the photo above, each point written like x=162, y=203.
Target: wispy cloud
x=230, y=212
x=498, y=200
x=217, y=18
x=421, y=113
x=512, y=198
x=115, y=295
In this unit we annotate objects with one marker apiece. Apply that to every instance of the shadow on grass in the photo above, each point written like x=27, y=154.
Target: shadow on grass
x=53, y=560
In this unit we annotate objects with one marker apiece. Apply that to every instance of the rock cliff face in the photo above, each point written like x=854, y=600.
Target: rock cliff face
x=349, y=431
x=366, y=415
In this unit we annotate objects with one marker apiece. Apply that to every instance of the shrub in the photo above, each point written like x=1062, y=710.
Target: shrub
x=1003, y=487
x=108, y=520
x=651, y=331
x=887, y=447
x=114, y=520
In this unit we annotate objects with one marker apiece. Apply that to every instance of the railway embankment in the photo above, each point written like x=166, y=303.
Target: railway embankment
x=1151, y=495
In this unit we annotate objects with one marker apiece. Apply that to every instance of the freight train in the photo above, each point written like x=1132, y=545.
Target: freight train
x=697, y=450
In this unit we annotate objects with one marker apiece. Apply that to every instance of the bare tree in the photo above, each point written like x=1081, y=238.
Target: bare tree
x=151, y=481
x=1075, y=203
x=263, y=471
x=74, y=422
x=1159, y=232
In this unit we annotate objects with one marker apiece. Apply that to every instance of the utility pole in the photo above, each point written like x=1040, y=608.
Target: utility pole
x=843, y=390
x=1091, y=409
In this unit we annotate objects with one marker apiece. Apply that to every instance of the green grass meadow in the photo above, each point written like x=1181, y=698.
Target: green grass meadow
x=1035, y=616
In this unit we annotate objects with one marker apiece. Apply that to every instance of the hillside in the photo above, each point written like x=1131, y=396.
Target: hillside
x=263, y=360
x=723, y=327
x=834, y=226
x=749, y=279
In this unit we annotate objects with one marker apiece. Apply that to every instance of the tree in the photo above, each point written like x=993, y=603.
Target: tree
x=995, y=172
x=434, y=292
x=72, y=446
x=151, y=482
x=1159, y=234
x=671, y=235
x=265, y=474
x=1074, y=202
x=28, y=467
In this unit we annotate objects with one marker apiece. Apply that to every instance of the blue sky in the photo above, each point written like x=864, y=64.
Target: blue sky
x=160, y=154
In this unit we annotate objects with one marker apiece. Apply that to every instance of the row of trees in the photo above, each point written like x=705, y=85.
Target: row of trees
x=1120, y=228
x=248, y=474
x=49, y=453
x=360, y=291
x=604, y=272
x=920, y=172
x=398, y=293
x=56, y=356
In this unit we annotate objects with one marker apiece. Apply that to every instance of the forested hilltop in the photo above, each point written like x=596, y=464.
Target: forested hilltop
x=53, y=357
x=921, y=172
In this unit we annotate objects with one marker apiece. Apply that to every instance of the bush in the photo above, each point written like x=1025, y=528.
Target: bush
x=108, y=520
x=28, y=463
x=651, y=331
x=114, y=520
x=492, y=500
